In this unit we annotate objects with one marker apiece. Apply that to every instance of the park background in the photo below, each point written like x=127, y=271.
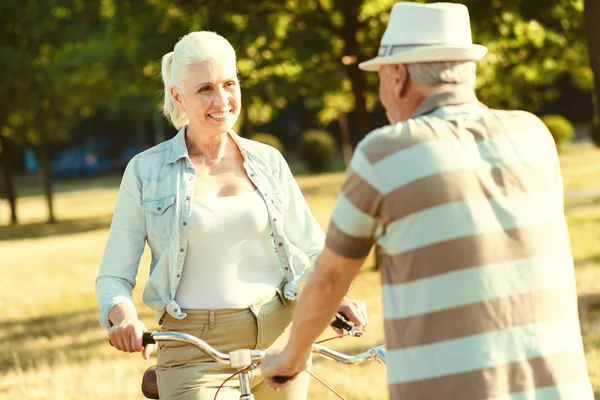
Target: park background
x=80, y=95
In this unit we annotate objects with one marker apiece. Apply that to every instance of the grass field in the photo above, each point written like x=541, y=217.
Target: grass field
x=52, y=347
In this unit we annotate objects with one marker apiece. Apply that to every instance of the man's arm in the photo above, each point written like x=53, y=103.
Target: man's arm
x=320, y=299
x=353, y=229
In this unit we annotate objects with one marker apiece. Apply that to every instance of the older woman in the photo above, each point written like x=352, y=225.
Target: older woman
x=230, y=233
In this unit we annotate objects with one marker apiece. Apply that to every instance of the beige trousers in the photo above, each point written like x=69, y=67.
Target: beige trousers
x=186, y=373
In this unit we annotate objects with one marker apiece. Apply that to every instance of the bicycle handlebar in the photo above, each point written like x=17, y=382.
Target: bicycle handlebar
x=246, y=357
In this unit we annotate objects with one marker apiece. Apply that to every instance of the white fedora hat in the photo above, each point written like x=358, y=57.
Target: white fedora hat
x=426, y=33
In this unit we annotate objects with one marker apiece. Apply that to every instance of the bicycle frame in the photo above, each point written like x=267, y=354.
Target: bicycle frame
x=247, y=359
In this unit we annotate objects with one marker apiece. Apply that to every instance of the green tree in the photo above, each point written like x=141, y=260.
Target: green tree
x=52, y=51
x=592, y=35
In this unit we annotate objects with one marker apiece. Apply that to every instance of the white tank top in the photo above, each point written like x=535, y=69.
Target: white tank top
x=231, y=261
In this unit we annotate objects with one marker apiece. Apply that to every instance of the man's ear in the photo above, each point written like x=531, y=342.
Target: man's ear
x=178, y=98
x=401, y=79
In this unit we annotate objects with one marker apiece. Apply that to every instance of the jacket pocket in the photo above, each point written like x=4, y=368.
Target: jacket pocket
x=160, y=216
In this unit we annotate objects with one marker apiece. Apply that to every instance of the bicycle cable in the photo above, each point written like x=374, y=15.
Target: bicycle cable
x=307, y=371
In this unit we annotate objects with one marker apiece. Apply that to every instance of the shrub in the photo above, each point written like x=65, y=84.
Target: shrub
x=317, y=149
x=269, y=139
x=561, y=129
x=595, y=133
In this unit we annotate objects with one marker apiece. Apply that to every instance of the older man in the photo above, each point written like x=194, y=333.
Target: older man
x=466, y=204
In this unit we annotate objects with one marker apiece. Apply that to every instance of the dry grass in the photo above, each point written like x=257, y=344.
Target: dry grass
x=52, y=345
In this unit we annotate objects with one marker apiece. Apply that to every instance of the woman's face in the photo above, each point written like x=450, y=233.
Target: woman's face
x=210, y=95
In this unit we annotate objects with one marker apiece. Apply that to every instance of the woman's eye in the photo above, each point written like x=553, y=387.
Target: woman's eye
x=230, y=84
x=205, y=89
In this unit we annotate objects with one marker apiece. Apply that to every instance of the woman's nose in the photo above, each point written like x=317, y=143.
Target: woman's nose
x=220, y=96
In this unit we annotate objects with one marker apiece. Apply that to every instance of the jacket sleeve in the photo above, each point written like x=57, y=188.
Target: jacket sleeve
x=301, y=227
x=126, y=240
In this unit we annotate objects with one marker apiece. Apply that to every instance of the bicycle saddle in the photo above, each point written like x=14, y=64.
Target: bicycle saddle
x=149, y=383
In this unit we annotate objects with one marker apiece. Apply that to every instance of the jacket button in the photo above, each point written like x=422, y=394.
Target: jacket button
x=181, y=250
x=187, y=199
x=274, y=219
x=178, y=275
x=280, y=244
x=185, y=224
x=287, y=269
x=159, y=208
x=251, y=175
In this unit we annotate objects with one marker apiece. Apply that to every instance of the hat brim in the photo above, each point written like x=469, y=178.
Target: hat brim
x=434, y=53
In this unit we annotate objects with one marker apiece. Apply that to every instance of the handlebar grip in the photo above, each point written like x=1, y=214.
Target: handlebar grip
x=147, y=339
x=340, y=321
x=281, y=379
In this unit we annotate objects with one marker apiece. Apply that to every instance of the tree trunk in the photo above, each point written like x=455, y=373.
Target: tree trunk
x=591, y=16
x=357, y=77
x=46, y=173
x=9, y=183
x=361, y=113
x=345, y=138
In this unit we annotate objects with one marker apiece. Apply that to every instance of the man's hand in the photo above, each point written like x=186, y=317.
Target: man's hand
x=127, y=336
x=278, y=363
x=355, y=311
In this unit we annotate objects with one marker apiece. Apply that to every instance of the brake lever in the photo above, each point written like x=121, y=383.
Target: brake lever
x=340, y=321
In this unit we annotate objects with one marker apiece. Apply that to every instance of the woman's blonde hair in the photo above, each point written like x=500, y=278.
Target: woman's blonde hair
x=190, y=49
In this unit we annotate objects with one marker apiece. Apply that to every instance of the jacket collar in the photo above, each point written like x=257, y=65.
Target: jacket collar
x=178, y=148
x=447, y=95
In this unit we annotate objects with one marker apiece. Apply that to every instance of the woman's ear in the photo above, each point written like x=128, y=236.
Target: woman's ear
x=178, y=98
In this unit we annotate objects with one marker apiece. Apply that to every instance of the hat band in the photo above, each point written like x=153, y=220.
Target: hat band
x=391, y=49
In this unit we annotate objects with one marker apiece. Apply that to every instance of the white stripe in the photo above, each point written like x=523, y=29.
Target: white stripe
x=467, y=218
x=473, y=285
x=578, y=391
x=361, y=166
x=484, y=351
x=351, y=220
x=444, y=155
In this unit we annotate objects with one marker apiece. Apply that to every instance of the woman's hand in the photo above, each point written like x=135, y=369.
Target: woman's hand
x=355, y=311
x=126, y=336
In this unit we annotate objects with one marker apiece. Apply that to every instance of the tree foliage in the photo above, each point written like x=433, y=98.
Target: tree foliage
x=62, y=59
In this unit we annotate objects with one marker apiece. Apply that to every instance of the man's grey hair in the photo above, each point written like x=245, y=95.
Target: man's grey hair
x=436, y=73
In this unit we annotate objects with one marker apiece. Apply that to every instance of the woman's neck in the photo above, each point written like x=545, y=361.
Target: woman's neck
x=209, y=149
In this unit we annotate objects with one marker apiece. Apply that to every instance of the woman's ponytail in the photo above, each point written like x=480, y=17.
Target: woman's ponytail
x=170, y=109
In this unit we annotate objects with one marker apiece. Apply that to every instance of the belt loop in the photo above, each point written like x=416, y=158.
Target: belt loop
x=282, y=298
x=211, y=319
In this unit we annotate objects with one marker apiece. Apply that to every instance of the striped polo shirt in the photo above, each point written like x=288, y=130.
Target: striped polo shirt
x=478, y=284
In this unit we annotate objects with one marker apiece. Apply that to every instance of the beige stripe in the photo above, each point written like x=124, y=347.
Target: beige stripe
x=478, y=318
x=471, y=251
x=456, y=186
x=361, y=194
x=497, y=381
x=346, y=245
x=418, y=131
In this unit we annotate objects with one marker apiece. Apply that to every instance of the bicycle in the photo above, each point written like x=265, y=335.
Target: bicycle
x=245, y=360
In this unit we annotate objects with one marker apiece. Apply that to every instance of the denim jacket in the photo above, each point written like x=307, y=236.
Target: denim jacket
x=153, y=205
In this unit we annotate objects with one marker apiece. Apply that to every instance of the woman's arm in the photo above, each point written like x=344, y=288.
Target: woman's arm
x=126, y=240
